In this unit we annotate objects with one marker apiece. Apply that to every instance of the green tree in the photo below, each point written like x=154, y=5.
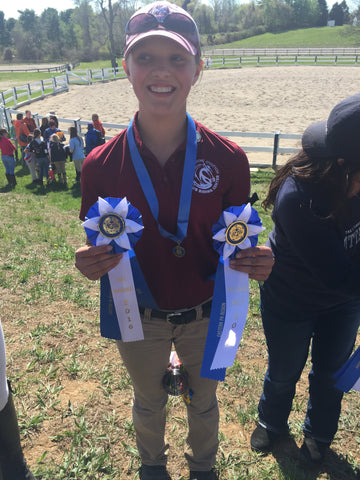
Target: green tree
x=28, y=20
x=50, y=24
x=306, y=13
x=84, y=16
x=324, y=13
x=3, y=31
x=340, y=13
x=204, y=17
x=8, y=55
x=69, y=35
x=278, y=16
x=28, y=37
x=248, y=16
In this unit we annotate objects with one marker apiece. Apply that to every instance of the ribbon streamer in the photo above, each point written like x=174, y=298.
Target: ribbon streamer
x=237, y=229
x=348, y=377
x=114, y=221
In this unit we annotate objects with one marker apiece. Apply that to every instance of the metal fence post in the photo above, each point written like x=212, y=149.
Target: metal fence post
x=276, y=147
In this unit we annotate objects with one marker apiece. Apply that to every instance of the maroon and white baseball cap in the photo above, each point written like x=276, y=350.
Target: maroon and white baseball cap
x=163, y=19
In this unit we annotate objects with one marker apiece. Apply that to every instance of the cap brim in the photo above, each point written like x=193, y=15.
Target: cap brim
x=314, y=140
x=134, y=39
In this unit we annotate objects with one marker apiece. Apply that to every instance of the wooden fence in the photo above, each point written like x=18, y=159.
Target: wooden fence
x=272, y=149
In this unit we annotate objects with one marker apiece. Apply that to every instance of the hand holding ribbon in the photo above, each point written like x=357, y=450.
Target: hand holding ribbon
x=115, y=222
x=237, y=229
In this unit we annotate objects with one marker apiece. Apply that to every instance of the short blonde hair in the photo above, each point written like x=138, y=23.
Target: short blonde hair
x=55, y=138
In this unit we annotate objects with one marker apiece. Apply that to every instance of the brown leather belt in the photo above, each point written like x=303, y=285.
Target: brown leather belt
x=180, y=317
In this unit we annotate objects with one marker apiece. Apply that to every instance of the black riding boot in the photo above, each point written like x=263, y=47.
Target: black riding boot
x=13, y=180
x=12, y=462
x=8, y=178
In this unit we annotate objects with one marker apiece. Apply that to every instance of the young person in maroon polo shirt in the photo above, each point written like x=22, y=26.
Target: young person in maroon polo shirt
x=162, y=60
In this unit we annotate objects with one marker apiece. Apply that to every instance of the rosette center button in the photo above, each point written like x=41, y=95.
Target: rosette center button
x=111, y=225
x=236, y=232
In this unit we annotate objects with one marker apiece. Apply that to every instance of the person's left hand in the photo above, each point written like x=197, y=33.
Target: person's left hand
x=256, y=261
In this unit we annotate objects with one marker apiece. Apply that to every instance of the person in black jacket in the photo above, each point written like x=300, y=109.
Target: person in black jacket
x=58, y=158
x=312, y=296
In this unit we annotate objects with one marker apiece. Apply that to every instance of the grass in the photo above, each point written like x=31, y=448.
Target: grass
x=72, y=393
x=317, y=37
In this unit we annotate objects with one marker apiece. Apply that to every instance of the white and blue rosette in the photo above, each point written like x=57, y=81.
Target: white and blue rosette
x=348, y=377
x=237, y=229
x=115, y=222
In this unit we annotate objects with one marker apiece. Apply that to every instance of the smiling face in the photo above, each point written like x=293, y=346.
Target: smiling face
x=162, y=74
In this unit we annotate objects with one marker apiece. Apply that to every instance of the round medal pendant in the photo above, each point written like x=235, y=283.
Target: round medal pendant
x=111, y=225
x=179, y=251
x=236, y=232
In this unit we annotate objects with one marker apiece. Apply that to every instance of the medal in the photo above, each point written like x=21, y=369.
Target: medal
x=186, y=185
x=179, y=251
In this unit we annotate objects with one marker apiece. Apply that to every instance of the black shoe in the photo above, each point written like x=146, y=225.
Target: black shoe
x=263, y=439
x=201, y=475
x=153, y=472
x=313, y=450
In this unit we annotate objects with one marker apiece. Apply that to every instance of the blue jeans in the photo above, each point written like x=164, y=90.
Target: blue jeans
x=43, y=164
x=9, y=164
x=332, y=335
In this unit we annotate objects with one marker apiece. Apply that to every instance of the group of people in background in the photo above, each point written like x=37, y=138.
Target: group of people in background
x=44, y=149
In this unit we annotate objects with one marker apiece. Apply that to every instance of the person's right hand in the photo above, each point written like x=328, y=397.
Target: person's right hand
x=94, y=262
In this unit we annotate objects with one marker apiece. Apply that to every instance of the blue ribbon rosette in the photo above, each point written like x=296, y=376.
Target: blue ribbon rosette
x=348, y=377
x=114, y=221
x=237, y=229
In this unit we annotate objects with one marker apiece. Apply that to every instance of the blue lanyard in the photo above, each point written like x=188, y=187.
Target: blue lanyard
x=186, y=186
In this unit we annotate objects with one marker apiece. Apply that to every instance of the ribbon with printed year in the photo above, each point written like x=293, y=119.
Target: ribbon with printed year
x=115, y=222
x=237, y=229
x=348, y=377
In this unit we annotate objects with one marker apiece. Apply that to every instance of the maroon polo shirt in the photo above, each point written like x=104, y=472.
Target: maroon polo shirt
x=221, y=180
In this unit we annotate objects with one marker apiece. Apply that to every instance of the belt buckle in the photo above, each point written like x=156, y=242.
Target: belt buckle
x=170, y=316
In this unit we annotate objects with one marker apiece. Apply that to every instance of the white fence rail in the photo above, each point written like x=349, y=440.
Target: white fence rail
x=272, y=139
x=91, y=76
x=281, y=60
x=34, y=91
x=281, y=51
x=25, y=94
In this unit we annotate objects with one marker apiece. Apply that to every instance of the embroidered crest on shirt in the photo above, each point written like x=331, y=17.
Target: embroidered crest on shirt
x=206, y=177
